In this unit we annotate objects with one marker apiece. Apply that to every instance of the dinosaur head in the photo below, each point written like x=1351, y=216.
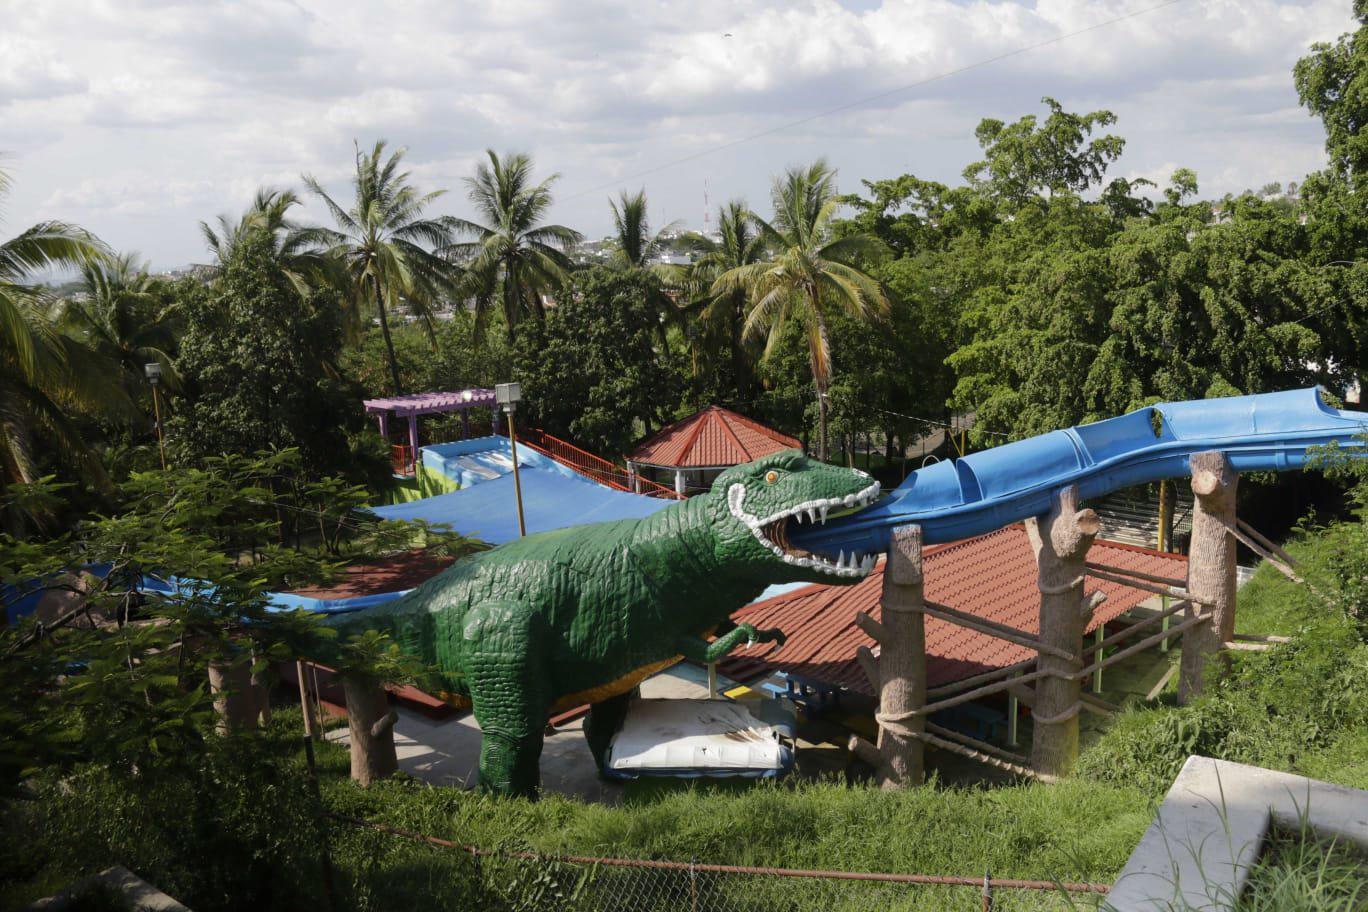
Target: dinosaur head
x=757, y=505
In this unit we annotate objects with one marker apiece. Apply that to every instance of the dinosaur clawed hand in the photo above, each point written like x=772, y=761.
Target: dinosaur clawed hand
x=767, y=635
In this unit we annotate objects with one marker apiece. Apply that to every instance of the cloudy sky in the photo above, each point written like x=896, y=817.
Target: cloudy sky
x=138, y=119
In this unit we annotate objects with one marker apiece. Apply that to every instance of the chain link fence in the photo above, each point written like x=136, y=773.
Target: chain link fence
x=468, y=877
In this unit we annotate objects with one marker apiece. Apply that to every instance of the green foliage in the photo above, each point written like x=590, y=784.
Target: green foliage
x=257, y=367
x=113, y=672
x=232, y=827
x=593, y=372
x=1296, y=708
x=1022, y=160
x=1300, y=872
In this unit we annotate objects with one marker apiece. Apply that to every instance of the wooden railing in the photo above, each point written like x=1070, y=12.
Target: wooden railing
x=591, y=466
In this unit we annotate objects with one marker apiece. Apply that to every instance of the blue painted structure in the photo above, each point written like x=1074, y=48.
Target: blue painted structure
x=959, y=498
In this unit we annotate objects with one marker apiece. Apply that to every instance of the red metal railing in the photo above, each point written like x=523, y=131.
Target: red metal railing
x=591, y=466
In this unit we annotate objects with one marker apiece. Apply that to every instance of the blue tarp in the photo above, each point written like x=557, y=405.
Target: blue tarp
x=551, y=500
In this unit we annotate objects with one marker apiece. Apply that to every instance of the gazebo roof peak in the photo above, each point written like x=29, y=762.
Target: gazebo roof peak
x=711, y=437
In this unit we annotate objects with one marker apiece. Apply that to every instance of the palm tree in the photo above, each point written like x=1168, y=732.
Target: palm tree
x=809, y=272
x=44, y=375
x=636, y=245
x=302, y=263
x=386, y=246
x=119, y=317
x=722, y=314
x=514, y=255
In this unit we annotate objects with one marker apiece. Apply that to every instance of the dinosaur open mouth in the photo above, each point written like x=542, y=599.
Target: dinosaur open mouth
x=773, y=531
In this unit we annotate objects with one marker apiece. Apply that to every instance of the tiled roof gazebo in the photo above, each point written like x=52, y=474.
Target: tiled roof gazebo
x=698, y=448
x=411, y=406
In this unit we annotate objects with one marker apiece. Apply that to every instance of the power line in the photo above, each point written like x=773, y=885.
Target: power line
x=943, y=424
x=871, y=98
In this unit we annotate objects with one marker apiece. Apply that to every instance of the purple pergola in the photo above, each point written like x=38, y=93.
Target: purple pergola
x=415, y=404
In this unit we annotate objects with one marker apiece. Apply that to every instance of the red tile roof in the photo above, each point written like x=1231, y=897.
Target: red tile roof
x=992, y=576
x=711, y=437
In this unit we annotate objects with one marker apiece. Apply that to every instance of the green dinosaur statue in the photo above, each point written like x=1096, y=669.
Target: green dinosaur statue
x=584, y=614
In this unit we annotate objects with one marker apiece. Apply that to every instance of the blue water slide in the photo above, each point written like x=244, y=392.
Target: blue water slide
x=955, y=499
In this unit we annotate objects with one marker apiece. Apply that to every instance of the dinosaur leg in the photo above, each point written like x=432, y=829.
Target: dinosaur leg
x=503, y=654
x=603, y=721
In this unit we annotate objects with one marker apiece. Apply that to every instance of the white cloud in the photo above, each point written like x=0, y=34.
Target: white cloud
x=138, y=119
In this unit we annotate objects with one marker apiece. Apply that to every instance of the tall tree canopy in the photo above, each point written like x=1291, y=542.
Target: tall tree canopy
x=253, y=360
x=810, y=272
x=387, y=245
x=593, y=371
x=514, y=257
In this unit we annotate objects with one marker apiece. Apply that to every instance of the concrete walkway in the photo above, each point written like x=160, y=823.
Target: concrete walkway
x=447, y=751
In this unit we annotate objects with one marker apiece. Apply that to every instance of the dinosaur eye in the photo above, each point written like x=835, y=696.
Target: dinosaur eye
x=771, y=476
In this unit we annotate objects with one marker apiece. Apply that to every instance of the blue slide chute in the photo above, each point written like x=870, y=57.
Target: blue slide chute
x=959, y=498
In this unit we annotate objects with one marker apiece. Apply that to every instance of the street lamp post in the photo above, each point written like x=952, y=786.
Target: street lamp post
x=509, y=395
x=153, y=372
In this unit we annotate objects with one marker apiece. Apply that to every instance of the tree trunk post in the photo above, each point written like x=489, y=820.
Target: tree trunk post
x=311, y=726
x=261, y=693
x=231, y=684
x=1060, y=540
x=899, y=673
x=370, y=724
x=1211, y=568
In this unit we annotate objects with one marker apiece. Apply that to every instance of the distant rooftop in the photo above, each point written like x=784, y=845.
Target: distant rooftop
x=711, y=438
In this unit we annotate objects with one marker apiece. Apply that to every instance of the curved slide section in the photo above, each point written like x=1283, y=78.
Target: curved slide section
x=956, y=499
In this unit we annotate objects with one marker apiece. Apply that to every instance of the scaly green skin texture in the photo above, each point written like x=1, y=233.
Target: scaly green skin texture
x=583, y=612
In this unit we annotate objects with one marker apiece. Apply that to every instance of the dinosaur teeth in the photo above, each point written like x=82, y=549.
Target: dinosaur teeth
x=812, y=515
x=824, y=511
x=867, y=563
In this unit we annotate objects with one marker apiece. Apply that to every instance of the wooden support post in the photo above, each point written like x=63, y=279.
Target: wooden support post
x=1013, y=712
x=370, y=724
x=900, y=671
x=1060, y=540
x=413, y=443
x=1211, y=567
x=311, y=727
x=1097, y=675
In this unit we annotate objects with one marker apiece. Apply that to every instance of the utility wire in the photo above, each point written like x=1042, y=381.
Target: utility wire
x=940, y=423
x=860, y=102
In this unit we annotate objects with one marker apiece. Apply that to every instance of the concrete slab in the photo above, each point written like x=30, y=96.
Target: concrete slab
x=447, y=752
x=1212, y=825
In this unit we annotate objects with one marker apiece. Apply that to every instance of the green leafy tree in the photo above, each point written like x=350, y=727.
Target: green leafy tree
x=810, y=273
x=389, y=250
x=593, y=371
x=1332, y=82
x=253, y=363
x=514, y=258
x=1027, y=158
